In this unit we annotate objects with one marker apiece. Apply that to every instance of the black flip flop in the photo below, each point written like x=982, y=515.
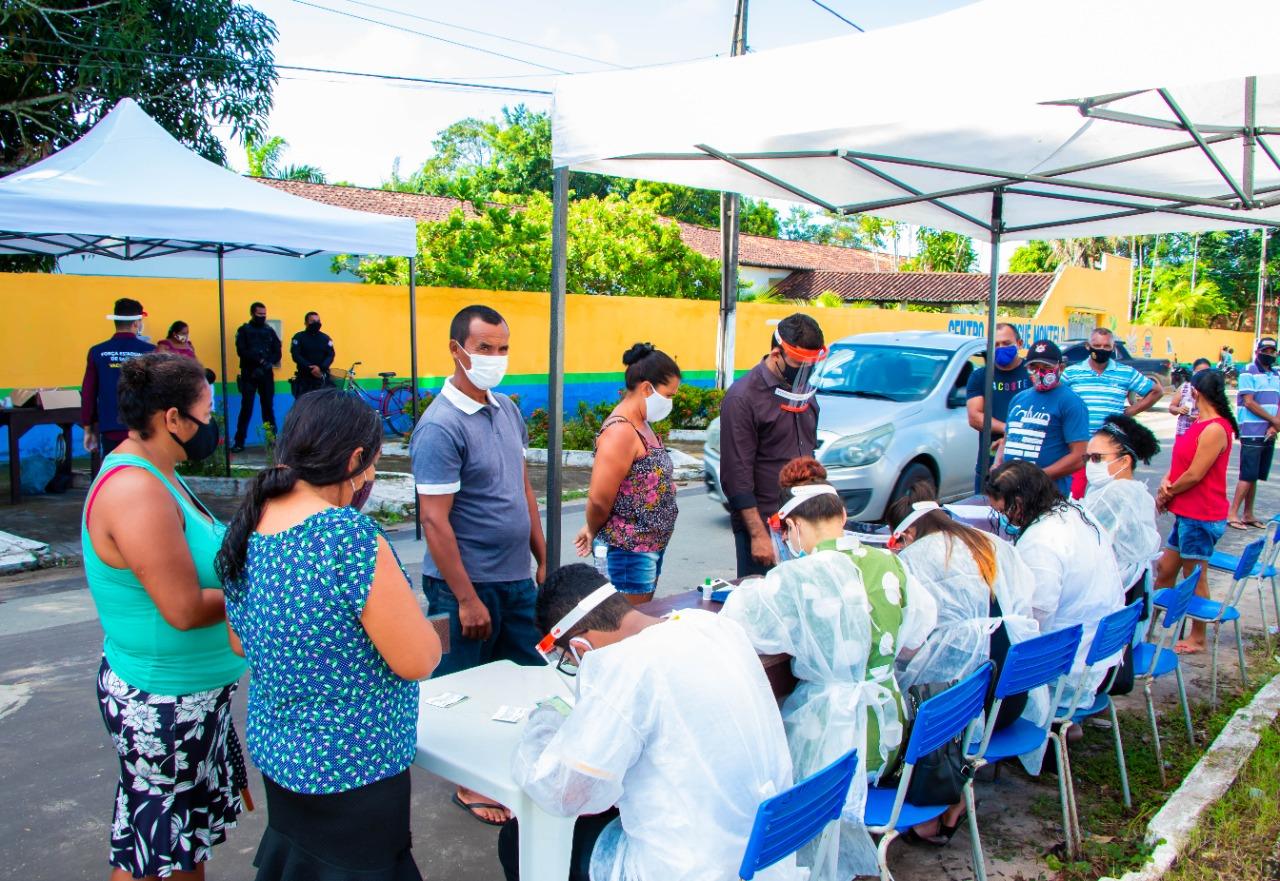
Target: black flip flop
x=470, y=808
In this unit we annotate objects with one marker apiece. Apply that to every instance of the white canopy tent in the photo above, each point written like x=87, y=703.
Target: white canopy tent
x=130, y=191
x=1005, y=119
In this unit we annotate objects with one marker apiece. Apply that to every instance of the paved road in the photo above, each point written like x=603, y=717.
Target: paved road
x=58, y=768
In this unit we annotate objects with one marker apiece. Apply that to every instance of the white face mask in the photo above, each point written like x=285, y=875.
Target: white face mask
x=486, y=371
x=657, y=407
x=1098, y=473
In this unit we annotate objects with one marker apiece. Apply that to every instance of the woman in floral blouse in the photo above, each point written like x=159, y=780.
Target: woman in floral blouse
x=631, y=505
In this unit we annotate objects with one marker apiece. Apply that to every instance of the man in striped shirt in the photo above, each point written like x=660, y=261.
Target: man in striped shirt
x=1105, y=385
x=1257, y=402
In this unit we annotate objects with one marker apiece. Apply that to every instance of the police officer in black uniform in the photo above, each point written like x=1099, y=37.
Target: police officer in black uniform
x=312, y=351
x=259, y=351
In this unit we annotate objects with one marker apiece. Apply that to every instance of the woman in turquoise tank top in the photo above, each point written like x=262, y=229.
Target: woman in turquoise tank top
x=168, y=672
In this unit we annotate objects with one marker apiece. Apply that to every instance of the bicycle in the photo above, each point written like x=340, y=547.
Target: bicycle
x=394, y=401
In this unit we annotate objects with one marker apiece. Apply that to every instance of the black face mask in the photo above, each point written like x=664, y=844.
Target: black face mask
x=1266, y=360
x=258, y=320
x=1102, y=356
x=203, y=443
x=314, y=327
x=789, y=373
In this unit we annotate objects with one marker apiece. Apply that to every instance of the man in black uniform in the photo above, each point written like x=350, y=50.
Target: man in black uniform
x=259, y=351
x=312, y=351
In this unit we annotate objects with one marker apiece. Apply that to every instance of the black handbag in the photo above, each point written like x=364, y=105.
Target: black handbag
x=938, y=777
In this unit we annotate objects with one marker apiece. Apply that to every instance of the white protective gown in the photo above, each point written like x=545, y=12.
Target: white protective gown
x=961, y=642
x=1076, y=578
x=816, y=609
x=678, y=727
x=1127, y=510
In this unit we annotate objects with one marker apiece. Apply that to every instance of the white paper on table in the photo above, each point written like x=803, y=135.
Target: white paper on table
x=510, y=714
x=969, y=512
x=445, y=699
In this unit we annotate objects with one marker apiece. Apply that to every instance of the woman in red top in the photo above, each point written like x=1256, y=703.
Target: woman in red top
x=1195, y=492
x=178, y=341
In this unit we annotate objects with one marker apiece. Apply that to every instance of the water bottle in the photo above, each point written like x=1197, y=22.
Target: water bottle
x=600, y=555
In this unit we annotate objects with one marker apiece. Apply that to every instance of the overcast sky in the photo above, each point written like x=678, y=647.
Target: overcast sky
x=355, y=128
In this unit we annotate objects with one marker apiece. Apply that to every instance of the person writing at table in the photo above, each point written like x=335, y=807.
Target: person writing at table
x=631, y=504
x=674, y=724
x=1074, y=576
x=319, y=604
x=843, y=612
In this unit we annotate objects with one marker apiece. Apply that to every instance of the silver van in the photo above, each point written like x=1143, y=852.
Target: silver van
x=892, y=412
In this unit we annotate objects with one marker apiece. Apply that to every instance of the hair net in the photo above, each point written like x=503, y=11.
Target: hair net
x=816, y=610
x=961, y=641
x=1127, y=511
x=1073, y=569
x=677, y=726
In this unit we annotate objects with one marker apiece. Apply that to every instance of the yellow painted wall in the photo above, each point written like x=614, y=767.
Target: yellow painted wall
x=53, y=319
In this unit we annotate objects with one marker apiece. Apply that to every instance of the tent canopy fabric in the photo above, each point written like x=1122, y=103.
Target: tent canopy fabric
x=1094, y=118
x=129, y=190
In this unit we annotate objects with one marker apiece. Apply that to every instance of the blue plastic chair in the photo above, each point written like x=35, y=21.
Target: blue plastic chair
x=791, y=819
x=1152, y=660
x=1214, y=612
x=1266, y=567
x=939, y=720
x=1030, y=664
x=1114, y=634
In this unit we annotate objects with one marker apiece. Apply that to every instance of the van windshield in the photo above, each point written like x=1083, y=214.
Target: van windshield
x=887, y=372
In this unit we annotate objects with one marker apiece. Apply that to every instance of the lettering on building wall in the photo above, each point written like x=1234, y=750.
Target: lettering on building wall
x=1029, y=331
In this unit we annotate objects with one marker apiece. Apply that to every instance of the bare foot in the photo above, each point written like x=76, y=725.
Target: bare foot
x=481, y=807
x=1189, y=646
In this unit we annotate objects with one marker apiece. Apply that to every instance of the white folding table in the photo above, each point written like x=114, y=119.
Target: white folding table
x=465, y=745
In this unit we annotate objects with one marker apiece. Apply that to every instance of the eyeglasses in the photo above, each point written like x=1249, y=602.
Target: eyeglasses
x=1095, y=458
x=567, y=665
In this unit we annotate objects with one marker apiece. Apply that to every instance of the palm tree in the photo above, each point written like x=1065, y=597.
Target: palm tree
x=1181, y=305
x=265, y=160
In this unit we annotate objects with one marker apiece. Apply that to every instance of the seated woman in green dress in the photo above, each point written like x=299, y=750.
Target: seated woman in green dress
x=843, y=611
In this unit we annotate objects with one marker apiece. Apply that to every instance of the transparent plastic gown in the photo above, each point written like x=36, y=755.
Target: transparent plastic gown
x=678, y=727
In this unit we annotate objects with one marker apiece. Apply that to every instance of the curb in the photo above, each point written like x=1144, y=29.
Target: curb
x=1208, y=781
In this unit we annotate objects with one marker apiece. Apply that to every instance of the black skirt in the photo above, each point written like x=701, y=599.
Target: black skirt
x=358, y=835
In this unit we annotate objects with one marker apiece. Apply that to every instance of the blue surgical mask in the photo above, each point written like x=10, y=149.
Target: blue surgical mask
x=1003, y=526
x=1006, y=355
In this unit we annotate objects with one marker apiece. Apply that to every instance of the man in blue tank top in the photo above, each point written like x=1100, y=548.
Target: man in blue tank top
x=99, y=417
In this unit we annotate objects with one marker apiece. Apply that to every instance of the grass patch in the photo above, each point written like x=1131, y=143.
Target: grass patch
x=1114, y=837
x=1239, y=837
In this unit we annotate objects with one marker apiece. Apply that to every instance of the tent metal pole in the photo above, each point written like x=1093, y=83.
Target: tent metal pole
x=413, y=379
x=222, y=339
x=997, y=227
x=1262, y=286
x=555, y=382
x=726, y=332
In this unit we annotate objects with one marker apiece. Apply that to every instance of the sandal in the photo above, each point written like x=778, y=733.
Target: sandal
x=1237, y=524
x=1256, y=524
x=470, y=808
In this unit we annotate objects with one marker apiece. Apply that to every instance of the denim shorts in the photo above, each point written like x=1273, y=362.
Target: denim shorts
x=1255, y=458
x=1194, y=539
x=634, y=571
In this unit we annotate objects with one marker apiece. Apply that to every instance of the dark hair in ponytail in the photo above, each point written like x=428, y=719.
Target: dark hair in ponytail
x=647, y=364
x=1211, y=386
x=322, y=430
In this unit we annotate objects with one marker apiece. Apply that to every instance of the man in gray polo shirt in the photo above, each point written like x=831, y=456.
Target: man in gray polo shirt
x=479, y=512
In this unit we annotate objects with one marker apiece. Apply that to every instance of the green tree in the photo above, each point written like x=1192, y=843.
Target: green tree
x=615, y=248
x=1177, y=304
x=190, y=64
x=1034, y=257
x=758, y=218
x=941, y=251
x=266, y=160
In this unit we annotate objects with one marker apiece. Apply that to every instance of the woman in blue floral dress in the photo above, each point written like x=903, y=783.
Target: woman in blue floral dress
x=631, y=504
x=321, y=608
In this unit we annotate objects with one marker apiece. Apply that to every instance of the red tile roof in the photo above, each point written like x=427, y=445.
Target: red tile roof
x=916, y=287
x=752, y=250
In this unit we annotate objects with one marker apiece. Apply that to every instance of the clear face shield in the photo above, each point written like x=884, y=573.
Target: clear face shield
x=798, y=367
x=778, y=522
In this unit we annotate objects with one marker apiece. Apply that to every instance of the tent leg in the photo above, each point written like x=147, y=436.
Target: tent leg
x=222, y=339
x=555, y=381
x=413, y=379
x=997, y=225
x=725, y=333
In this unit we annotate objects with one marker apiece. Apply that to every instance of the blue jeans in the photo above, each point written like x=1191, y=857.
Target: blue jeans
x=1194, y=539
x=634, y=571
x=512, y=608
